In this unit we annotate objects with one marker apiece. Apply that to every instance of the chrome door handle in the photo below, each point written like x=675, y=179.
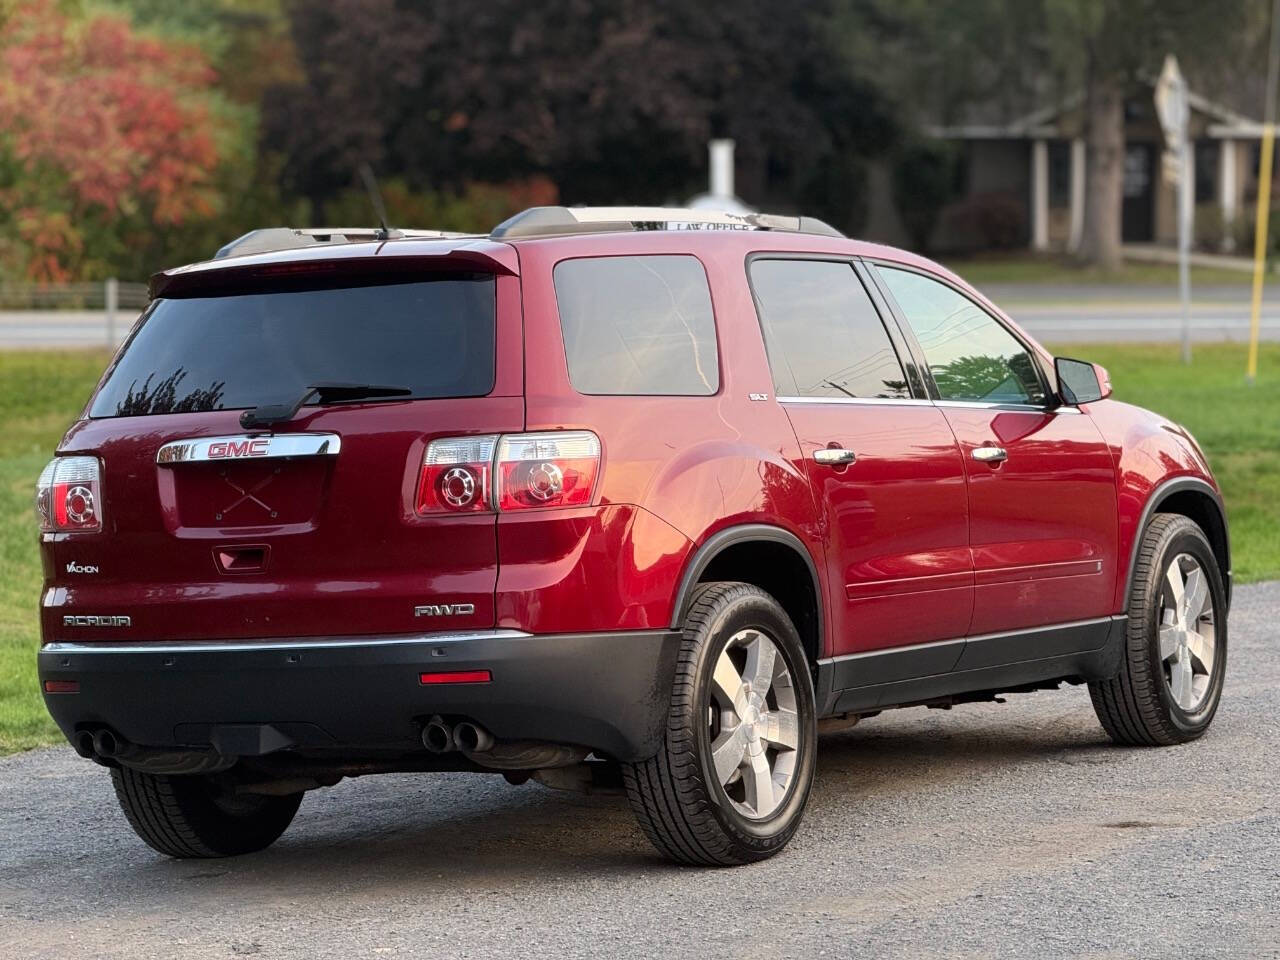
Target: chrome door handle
x=990, y=454
x=834, y=456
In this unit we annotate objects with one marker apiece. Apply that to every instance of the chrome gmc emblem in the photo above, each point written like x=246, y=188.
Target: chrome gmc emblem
x=249, y=447
x=226, y=449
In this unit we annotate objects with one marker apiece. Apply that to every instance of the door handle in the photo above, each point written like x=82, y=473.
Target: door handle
x=834, y=456
x=990, y=454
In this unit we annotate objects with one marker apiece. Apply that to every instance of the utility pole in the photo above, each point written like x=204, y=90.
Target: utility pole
x=1174, y=110
x=1264, y=194
x=111, y=298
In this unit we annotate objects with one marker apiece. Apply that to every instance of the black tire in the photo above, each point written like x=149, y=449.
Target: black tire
x=189, y=818
x=680, y=803
x=1137, y=707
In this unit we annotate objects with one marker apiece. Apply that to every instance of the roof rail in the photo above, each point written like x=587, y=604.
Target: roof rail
x=558, y=221
x=290, y=238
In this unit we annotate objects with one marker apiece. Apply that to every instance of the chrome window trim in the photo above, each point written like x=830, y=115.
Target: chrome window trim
x=1011, y=407
x=916, y=401
x=869, y=401
x=235, y=646
x=277, y=445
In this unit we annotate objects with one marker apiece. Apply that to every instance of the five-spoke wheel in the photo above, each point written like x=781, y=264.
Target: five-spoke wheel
x=1170, y=678
x=1187, y=634
x=755, y=731
x=733, y=776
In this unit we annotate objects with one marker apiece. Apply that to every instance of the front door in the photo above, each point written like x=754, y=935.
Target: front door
x=883, y=463
x=1042, y=500
x=1138, y=212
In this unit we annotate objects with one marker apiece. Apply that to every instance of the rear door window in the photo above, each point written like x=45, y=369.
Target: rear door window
x=434, y=337
x=640, y=326
x=823, y=334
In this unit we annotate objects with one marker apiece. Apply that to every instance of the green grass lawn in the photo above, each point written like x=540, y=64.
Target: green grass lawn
x=1238, y=427
x=1050, y=270
x=41, y=392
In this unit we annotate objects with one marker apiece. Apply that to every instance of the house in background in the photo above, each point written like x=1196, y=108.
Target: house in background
x=1027, y=177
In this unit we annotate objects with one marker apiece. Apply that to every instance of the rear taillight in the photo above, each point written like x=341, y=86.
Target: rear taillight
x=456, y=475
x=69, y=496
x=547, y=469
x=512, y=472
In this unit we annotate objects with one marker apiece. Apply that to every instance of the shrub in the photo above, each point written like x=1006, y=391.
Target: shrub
x=924, y=179
x=1209, y=231
x=985, y=221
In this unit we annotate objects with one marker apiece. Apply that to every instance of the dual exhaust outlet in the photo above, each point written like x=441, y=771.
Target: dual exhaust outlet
x=479, y=746
x=438, y=736
x=99, y=743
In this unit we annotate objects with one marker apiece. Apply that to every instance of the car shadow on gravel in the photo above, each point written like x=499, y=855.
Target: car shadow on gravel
x=441, y=832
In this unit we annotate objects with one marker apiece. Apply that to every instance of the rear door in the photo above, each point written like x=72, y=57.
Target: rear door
x=882, y=461
x=310, y=527
x=1042, y=491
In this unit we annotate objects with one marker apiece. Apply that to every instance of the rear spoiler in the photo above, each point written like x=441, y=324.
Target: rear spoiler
x=268, y=239
x=396, y=258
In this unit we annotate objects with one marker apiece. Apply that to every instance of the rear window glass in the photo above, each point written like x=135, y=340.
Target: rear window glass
x=822, y=332
x=641, y=326
x=435, y=338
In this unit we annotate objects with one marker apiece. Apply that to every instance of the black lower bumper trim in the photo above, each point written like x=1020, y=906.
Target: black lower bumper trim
x=350, y=696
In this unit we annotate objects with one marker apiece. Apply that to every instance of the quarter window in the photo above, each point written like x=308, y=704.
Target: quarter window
x=822, y=332
x=972, y=357
x=640, y=326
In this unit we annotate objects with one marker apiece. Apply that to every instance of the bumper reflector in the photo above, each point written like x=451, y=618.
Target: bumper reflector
x=62, y=686
x=457, y=676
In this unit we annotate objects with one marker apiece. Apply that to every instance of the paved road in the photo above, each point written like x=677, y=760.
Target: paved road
x=1084, y=320
x=62, y=328
x=989, y=831
x=1140, y=322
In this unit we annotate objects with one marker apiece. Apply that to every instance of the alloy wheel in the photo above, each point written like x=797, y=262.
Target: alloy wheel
x=754, y=725
x=1188, y=637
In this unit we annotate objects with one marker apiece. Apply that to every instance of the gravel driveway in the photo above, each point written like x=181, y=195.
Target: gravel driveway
x=1001, y=831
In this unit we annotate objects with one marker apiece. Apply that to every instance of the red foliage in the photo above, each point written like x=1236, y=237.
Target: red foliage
x=117, y=117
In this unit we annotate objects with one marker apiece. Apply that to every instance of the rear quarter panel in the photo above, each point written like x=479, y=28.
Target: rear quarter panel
x=675, y=469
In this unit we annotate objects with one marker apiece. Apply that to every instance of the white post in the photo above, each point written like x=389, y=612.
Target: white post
x=1077, y=193
x=112, y=301
x=721, y=157
x=1186, y=215
x=1227, y=191
x=1040, y=195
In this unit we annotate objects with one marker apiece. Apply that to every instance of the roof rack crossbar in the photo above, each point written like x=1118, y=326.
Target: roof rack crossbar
x=556, y=221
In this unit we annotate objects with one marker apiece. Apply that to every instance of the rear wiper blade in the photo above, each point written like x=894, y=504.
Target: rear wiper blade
x=266, y=414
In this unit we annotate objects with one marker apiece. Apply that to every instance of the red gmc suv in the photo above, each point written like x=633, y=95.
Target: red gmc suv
x=611, y=496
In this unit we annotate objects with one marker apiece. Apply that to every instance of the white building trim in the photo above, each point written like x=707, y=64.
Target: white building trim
x=1040, y=194
x=1227, y=191
x=1077, y=194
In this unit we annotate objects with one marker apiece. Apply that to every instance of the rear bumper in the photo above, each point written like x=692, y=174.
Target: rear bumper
x=349, y=696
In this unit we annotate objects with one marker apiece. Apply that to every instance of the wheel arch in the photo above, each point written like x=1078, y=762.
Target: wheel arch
x=1196, y=499
x=771, y=558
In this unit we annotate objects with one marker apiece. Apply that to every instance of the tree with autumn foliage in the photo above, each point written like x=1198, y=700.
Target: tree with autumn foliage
x=106, y=134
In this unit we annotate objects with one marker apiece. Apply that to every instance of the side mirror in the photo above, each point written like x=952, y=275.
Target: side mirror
x=1081, y=382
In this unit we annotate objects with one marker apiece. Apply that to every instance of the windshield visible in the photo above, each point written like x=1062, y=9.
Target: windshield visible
x=434, y=337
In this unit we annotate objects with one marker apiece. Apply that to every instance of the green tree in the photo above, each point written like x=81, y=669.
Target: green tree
x=1101, y=47
x=104, y=132
x=938, y=58
x=610, y=101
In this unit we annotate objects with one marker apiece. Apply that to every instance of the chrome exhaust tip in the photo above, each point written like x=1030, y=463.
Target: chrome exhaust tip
x=438, y=736
x=107, y=744
x=471, y=738
x=83, y=744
